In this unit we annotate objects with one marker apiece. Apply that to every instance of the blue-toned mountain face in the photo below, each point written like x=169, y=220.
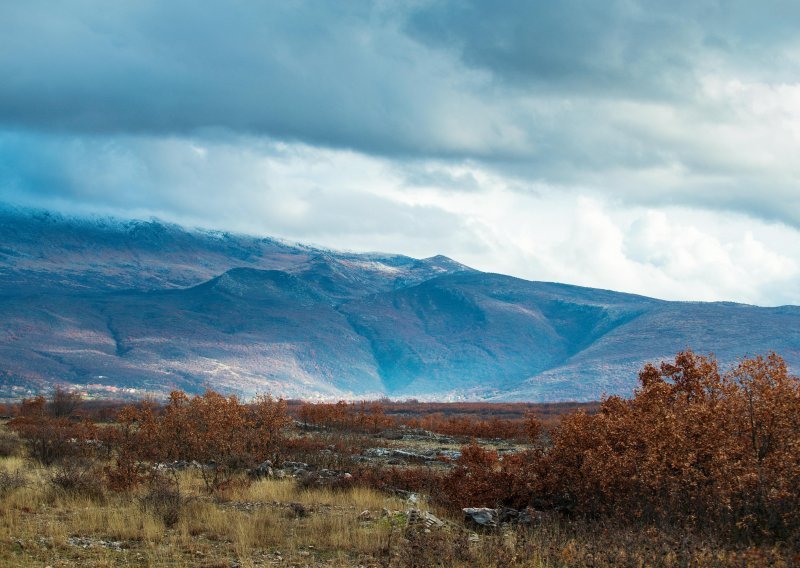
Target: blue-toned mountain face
x=129, y=307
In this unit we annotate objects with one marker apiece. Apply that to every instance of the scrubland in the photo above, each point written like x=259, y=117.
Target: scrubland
x=699, y=468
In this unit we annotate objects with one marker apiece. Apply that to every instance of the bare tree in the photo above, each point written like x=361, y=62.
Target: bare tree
x=64, y=403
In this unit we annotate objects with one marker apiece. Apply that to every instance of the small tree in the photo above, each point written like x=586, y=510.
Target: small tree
x=64, y=403
x=48, y=432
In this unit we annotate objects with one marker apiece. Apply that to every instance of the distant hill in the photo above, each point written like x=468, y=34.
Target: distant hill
x=128, y=307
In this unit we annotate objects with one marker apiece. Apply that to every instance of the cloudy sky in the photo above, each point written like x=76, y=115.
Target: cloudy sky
x=641, y=146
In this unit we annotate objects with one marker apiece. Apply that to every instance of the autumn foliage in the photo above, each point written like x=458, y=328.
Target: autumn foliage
x=694, y=447
x=359, y=417
x=469, y=427
x=220, y=433
x=467, y=422
x=53, y=430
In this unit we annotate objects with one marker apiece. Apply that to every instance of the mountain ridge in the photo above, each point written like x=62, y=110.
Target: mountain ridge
x=142, y=308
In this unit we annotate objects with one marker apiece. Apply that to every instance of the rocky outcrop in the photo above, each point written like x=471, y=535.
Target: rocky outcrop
x=492, y=518
x=435, y=454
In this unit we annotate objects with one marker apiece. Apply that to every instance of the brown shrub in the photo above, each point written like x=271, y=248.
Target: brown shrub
x=78, y=478
x=53, y=439
x=483, y=479
x=164, y=500
x=330, y=480
x=64, y=403
x=221, y=433
x=423, y=480
x=10, y=444
x=693, y=446
x=9, y=481
x=352, y=416
x=51, y=430
x=470, y=427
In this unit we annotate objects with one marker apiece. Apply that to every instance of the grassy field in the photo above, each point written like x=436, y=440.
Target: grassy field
x=64, y=515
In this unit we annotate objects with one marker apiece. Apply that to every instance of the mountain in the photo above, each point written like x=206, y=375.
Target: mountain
x=131, y=307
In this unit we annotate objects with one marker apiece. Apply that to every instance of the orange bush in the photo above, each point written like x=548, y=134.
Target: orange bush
x=52, y=430
x=470, y=426
x=424, y=480
x=692, y=446
x=481, y=478
x=220, y=433
x=358, y=417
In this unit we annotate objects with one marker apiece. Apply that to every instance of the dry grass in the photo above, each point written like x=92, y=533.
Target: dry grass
x=287, y=491
x=276, y=522
x=252, y=525
x=10, y=444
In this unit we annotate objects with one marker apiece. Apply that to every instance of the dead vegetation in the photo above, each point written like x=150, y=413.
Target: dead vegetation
x=700, y=468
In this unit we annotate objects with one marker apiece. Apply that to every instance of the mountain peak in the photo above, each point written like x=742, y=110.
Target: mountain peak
x=447, y=263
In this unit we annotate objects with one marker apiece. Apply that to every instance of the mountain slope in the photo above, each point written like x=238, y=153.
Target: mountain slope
x=46, y=251
x=498, y=336
x=464, y=330
x=145, y=307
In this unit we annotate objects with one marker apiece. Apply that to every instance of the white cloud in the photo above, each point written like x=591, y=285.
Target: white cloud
x=631, y=145
x=345, y=199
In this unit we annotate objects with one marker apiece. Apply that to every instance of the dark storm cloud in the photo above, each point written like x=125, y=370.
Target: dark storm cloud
x=636, y=49
x=489, y=80
x=330, y=73
x=335, y=71
x=598, y=47
x=641, y=101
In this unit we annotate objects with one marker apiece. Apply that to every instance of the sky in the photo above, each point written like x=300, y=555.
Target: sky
x=640, y=146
